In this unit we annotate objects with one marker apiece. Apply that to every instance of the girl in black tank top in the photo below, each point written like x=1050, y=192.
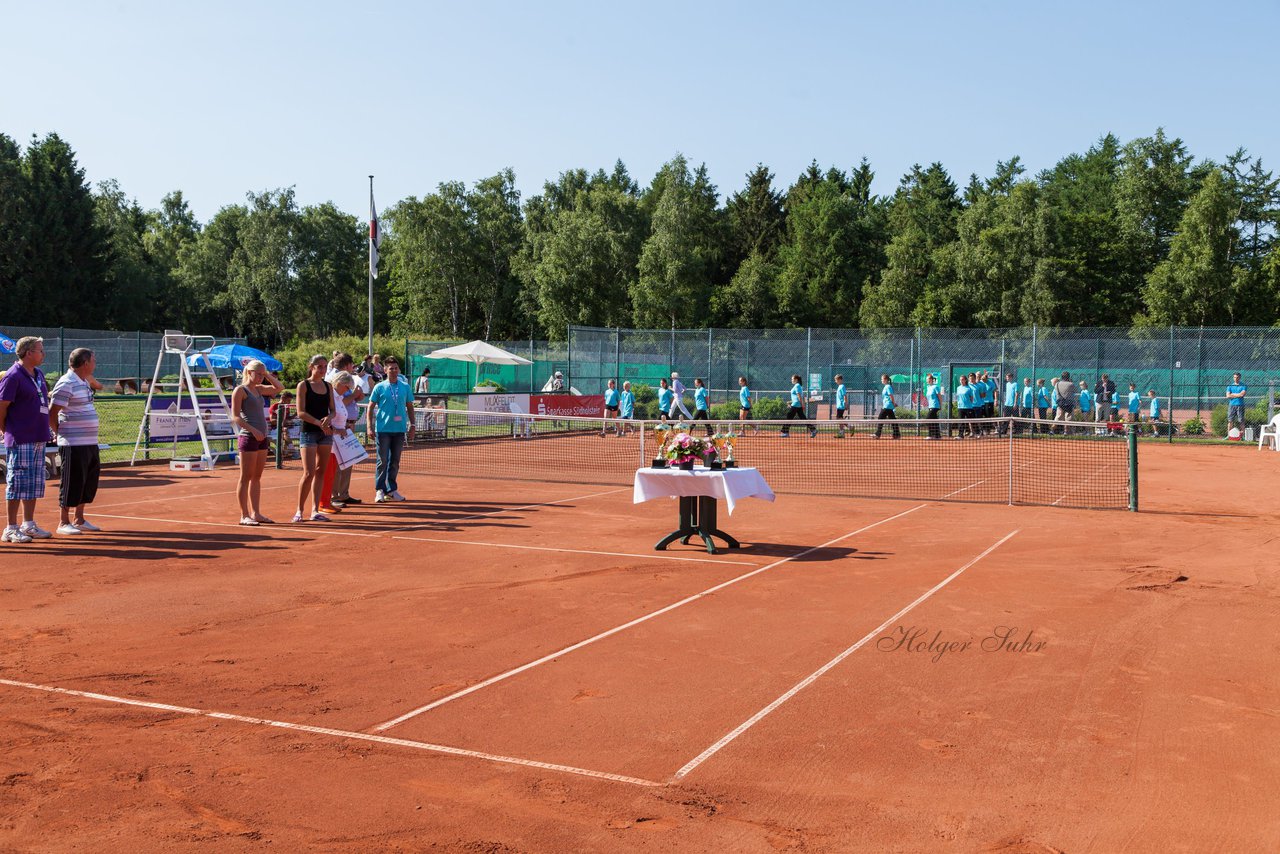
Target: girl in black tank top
x=316, y=405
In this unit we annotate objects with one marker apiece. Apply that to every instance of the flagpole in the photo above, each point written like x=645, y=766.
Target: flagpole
x=370, y=350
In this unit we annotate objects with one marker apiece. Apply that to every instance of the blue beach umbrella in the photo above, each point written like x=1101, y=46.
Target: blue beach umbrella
x=234, y=356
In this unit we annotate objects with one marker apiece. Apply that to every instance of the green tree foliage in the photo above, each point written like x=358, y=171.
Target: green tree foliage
x=1193, y=286
x=682, y=255
x=1138, y=231
x=922, y=222
x=755, y=219
x=15, y=291
x=66, y=248
x=582, y=248
x=1084, y=274
x=203, y=301
x=136, y=285
x=995, y=253
x=834, y=246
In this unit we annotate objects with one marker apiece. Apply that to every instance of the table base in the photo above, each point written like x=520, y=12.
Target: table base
x=697, y=519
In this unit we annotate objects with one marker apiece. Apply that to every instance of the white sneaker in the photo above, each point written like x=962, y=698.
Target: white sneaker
x=31, y=529
x=14, y=535
x=86, y=525
x=68, y=528
x=380, y=497
x=396, y=496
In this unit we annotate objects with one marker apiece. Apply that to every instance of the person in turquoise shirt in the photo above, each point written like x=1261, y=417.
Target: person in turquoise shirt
x=627, y=405
x=665, y=397
x=1010, y=407
x=933, y=402
x=701, y=410
x=1153, y=414
x=610, y=406
x=966, y=401
x=1028, y=398
x=388, y=420
x=797, y=408
x=1235, y=401
x=744, y=401
x=1042, y=407
x=886, y=408
x=1086, y=402
x=1135, y=403
x=841, y=400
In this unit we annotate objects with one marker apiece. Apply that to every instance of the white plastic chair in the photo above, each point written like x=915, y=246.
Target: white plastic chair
x=1271, y=431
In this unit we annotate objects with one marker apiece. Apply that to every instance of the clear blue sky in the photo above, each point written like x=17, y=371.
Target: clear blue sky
x=218, y=99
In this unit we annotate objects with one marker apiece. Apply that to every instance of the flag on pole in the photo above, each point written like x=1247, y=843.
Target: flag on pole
x=375, y=238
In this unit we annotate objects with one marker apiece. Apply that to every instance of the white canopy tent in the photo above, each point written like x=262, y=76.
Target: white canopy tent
x=478, y=352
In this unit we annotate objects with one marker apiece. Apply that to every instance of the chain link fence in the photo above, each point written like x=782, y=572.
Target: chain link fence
x=1188, y=368
x=126, y=358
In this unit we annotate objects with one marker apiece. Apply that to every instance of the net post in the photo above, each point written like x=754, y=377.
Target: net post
x=1132, y=439
x=280, y=418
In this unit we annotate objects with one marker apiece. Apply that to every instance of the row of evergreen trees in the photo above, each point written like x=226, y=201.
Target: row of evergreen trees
x=1138, y=232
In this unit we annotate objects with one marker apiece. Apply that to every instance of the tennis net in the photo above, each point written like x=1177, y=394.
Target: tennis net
x=996, y=460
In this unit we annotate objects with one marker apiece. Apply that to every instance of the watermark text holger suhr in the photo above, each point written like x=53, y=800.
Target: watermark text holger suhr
x=919, y=639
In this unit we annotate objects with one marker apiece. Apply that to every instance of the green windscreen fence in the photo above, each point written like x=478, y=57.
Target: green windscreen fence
x=453, y=377
x=1189, y=368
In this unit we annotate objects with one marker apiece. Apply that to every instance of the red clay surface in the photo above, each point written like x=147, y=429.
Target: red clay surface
x=1143, y=721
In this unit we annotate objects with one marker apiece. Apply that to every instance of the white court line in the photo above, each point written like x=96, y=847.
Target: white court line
x=637, y=621
x=1079, y=485
x=97, y=506
x=812, y=677
x=316, y=528
x=509, y=510
x=338, y=733
x=572, y=551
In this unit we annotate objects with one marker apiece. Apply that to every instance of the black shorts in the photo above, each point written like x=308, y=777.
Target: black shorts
x=839, y=413
x=612, y=409
x=81, y=467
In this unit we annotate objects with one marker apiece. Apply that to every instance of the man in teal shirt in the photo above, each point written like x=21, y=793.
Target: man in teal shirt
x=1235, y=401
x=389, y=419
x=1010, y=407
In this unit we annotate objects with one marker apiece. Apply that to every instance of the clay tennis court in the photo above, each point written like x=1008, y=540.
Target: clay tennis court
x=507, y=665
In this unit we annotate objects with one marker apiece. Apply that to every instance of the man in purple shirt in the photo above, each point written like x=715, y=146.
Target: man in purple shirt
x=24, y=418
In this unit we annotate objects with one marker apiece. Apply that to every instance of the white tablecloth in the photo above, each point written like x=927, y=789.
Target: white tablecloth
x=730, y=485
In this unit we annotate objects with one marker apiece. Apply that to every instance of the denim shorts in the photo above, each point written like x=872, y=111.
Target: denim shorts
x=312, y=440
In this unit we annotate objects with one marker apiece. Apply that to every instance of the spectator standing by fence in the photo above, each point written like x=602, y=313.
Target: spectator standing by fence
x=24, y=417
x=73, y=419
x=1066, y=406
x=1104, y=395
x=390, y=420
x=422, y=385
x=1235, y=402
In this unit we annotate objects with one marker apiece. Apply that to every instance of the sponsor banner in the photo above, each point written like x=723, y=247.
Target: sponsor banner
x=567, y=405
x=170, y=419
x=503, y=403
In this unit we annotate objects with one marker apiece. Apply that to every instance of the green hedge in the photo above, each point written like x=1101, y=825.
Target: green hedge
x=1254, y=415
x=295, y=358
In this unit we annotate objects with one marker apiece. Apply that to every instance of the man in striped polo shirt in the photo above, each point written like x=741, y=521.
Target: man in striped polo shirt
x=74, y=420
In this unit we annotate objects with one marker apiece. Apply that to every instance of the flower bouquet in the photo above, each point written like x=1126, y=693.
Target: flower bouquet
x=684, y=450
